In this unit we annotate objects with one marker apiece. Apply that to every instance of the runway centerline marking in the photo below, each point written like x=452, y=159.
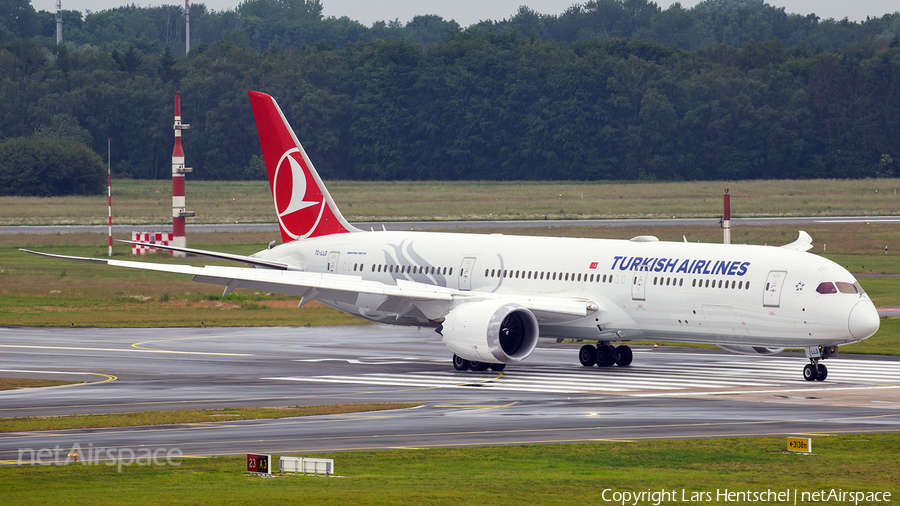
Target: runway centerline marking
x=136, y=346
x=123, y=350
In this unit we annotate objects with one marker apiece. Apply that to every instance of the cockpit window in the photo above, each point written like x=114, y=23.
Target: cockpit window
x=826, y=288
x=845, y=287
x=859, y=288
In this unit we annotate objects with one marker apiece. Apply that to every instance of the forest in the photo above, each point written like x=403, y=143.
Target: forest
x=607, y=90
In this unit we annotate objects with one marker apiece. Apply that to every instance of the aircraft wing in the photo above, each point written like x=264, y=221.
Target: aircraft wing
x=308, y=285
x=803, y=243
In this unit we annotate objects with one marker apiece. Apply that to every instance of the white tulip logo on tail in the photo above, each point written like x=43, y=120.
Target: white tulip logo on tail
x=298, y=201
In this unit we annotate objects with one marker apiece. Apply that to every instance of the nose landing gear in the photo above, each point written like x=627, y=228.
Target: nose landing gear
x=814, y=371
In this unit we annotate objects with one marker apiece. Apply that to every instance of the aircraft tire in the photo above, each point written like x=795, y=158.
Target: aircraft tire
x=606, y=356
x=460, y=364
x=810, y=372
x=587, y=355
x=823, y=373
x=625, y=355
x=478, y=366
x=498, y=367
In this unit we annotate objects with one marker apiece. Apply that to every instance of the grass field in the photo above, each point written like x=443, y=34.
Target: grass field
x=506, y=475
x=14, y=383
x=146, y=202
x=36, y=291
x=144, y=418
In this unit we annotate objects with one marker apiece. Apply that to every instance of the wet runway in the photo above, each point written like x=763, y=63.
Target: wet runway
x=668, y=393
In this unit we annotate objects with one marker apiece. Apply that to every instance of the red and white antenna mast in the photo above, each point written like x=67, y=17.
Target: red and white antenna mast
x=178, y=172
x=109, y=188
x=726, y=217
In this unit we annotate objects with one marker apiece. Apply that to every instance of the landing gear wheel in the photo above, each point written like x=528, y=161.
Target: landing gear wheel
x=460, y=364
x=625, y=356
x=587, y=355
x=498, y=367
x=606, y=356
x=478, y=366
x=810, y=372
x=823, y=373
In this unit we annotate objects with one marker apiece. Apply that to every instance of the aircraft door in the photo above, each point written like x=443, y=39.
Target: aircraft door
x=465, y=273
x=774, y=284
x=638, y=285
x=333, y=260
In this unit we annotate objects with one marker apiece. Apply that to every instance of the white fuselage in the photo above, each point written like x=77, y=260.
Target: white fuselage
x=691, y=292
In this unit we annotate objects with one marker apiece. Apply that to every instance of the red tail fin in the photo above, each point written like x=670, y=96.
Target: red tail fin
x=302, y=203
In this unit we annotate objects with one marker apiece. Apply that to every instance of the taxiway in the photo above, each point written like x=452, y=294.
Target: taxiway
x=667, y=393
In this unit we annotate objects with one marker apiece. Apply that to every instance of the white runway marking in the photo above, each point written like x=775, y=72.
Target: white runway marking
x=127, y=350
x=708, y=375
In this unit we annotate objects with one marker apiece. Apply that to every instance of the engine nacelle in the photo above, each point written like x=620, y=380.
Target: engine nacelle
x=491, y=331
x=742, y=349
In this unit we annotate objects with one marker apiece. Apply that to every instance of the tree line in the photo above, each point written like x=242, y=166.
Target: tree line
x=483, y=102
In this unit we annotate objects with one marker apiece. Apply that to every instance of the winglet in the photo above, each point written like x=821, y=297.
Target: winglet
x=803, y=243
x=302, y=203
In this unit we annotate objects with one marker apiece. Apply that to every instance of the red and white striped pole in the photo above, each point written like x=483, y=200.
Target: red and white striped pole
x=109, y=189
x=178, y=172
x=726, y=217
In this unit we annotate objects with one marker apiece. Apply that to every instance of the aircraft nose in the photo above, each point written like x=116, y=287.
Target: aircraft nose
x=864, y=320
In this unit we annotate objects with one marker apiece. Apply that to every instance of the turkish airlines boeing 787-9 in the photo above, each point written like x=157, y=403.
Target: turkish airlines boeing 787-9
x=491, y=296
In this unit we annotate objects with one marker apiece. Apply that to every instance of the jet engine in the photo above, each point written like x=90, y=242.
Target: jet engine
x=742, y=349
x=491, y=332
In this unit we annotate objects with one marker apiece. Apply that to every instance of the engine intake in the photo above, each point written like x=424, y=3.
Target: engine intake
x=491, y=331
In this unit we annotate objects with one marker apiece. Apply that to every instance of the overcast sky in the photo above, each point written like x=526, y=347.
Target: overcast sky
x=467, y=12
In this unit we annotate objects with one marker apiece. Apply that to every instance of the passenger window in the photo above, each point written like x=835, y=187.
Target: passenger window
x=826, y=287
x=845, y=287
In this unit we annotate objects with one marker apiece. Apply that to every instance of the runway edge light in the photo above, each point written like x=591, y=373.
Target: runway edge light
x=799, y=444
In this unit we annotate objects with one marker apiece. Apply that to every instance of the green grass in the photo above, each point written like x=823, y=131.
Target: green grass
x=14, y=383
x=143, y=418
x=507, y=475
x=137, y=201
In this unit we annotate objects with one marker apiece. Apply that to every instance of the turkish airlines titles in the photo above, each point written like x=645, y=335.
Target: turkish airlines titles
x=676, y=265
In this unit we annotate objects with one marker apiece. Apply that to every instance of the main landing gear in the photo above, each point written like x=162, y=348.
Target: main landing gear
x=605, y=355
x=461, y=364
